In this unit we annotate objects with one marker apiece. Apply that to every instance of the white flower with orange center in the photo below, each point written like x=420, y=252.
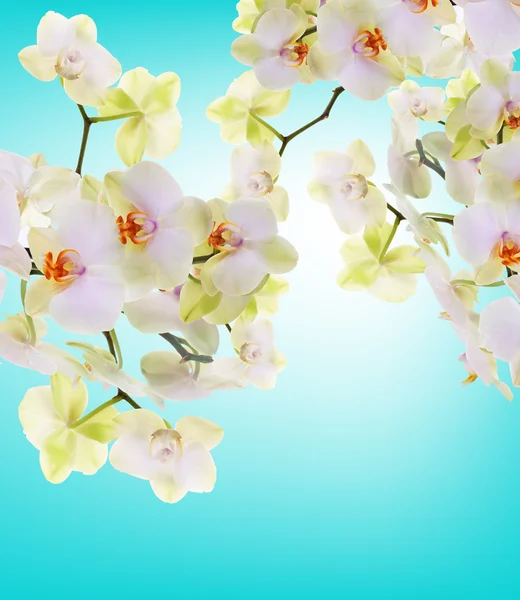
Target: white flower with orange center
x=68, y=48
x=496, y=101
x=158, y=227
x=249, y=248
x=81, y=287
x=254, y=171
x=409, y=25
x=276, y=50
x=174, y=461
x=493, y=25
x=353, y=50
x=487, y=236
x=340, y=180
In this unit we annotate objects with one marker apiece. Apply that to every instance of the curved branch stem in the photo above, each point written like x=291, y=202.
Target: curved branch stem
x=267, y=126
x=96, y=411
x=324, y=115
x=86, y=130
x=185, y=355
x=424, y=160
x=390, y=238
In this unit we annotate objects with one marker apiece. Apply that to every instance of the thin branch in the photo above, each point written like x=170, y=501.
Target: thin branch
x=424, y=160
x=390, y=238
x=324, y=115
x=110, y=343
x=309, y=31
x=87, y=123
x=202, y=259
x=186, y=356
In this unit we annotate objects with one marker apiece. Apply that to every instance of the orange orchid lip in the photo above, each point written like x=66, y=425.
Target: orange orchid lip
x=138, y=228
x=66, y=267
x=368, y=44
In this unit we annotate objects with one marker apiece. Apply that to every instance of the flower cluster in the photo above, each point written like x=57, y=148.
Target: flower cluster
x=464, y=133
x=90, y=252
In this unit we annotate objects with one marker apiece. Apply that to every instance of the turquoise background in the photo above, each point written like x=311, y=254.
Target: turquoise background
x=369, y=472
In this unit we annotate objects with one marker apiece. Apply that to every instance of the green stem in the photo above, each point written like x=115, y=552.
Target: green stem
x=309, y=31
x=265, y=124
x=128, y=115
x=202, y=259
x=399, y=215
x=185, y=355
x=470, y=282
x=117, y=347
x=30, y=322
x=500, y=135
x=96, y=411
x=110, y=343
x=86, y=130
x=324, y=115
x=390, y=238
x=427, y=162
x=435, y=215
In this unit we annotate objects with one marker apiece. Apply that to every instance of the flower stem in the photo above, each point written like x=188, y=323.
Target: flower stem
x=110, y=343
x=267, y=126
x=424, y=160
x=86, y=130
x=500, y=135
x=469, y=282
x=30, y=322
x=186, y=356
x=117, y=347
x=309, y=31
x=128, y=115
x=390, y=238
x=324, y=115
x=96, y=411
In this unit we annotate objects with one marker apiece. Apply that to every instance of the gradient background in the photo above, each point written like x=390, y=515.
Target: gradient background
x=368, y=473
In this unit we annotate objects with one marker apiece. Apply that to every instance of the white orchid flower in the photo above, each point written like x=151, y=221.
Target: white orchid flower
x=496, y=101
x=68, y=48
x=276, y=50
x=159, y=312
x=249, y=248
x=487, y=236
x=101, y=366
x=235, y=112
x=493, y=25
x=254, y=172
x=353, y=50
x=170, y=378
x=341, y=181
x=48, y=415
x=174, y=461
x=155, y=130
x=158, y=226
x=13, y=255
x=409, y=25
x=500, y=329
x=254, y=342
x=82, y=287
x=39, y=187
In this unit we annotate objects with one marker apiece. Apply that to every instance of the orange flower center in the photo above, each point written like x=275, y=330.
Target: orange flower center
x=67, y=266
x=368, y=44
x=225, y=237
x=294, y=55
x=419, y=6
x=508, y=251
x=138, y=228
